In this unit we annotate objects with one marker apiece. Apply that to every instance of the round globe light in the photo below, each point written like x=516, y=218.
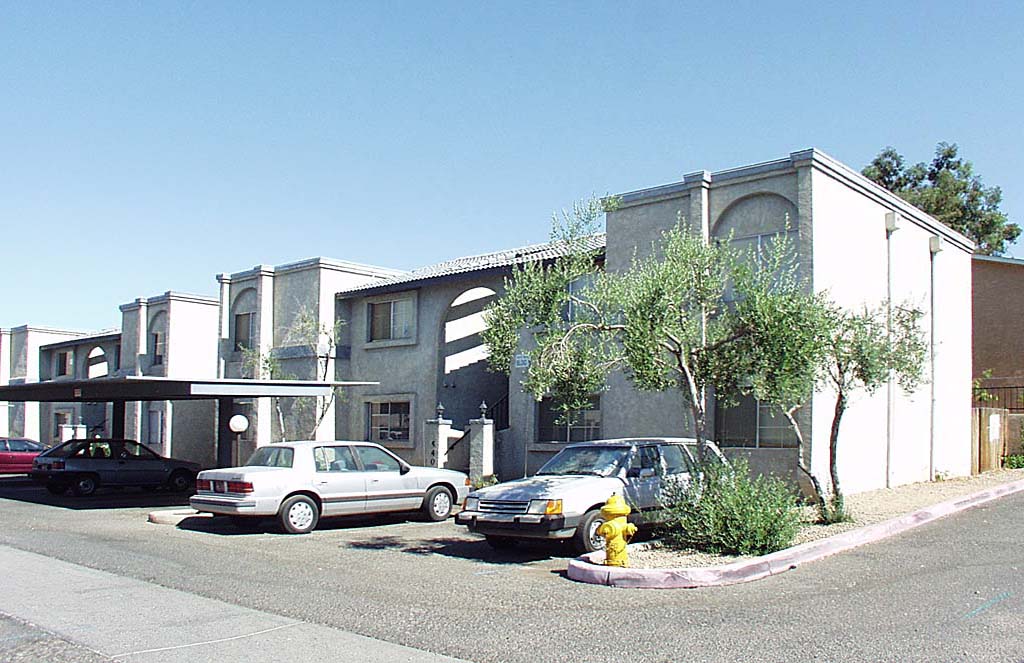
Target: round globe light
x=238, y=423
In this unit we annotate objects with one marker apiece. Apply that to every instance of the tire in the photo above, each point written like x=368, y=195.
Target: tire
x=246, y=523
x=437, y=504
x=298, y=515
x=500, y=542
x=586, y=539
x=180, y=481
x=85, y=485
x=56, y=488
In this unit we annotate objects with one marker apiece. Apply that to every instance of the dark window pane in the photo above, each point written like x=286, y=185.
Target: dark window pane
x=380, y=321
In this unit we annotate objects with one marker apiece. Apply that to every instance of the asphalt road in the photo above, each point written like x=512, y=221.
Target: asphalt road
x=948, y=591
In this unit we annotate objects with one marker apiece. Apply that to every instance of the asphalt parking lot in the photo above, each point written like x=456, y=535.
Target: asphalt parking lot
x=950, y=590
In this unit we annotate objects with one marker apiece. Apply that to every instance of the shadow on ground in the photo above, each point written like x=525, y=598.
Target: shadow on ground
x=22, y=489
x=465, y=547
x=468, y=548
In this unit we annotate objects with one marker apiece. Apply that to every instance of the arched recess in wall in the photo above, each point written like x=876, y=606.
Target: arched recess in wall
x=96, y=363
x=243, y=320
x=756, y=221
x=754, y=224
x=464, y=381
x=463, y=324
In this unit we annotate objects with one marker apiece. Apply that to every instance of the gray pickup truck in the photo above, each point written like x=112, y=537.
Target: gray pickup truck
x=563, y=500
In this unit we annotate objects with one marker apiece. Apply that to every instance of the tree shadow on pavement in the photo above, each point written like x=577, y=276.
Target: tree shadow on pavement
x=475, y=549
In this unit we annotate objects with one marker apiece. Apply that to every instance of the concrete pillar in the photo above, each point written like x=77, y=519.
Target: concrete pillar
x=265, y=340
x=5, y=379
x=224, y=324
x=72, y=432
x=481, y=448
x=436, y=435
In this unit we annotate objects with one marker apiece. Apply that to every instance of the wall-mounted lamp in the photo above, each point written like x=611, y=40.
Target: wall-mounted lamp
x=934, y=244
x=892, y=221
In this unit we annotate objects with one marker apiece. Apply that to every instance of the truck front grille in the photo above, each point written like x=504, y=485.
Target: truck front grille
x=503, y=506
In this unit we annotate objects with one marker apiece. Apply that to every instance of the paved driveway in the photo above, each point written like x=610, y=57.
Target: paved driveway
x=948, y=591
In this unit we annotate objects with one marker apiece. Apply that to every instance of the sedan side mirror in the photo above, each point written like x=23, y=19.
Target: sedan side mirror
x=404, y=468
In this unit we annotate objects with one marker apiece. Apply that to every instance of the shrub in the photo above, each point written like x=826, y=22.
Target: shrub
x=1013, y=461
x=723, y=511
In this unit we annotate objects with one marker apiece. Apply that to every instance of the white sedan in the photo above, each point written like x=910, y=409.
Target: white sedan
x=300, y=482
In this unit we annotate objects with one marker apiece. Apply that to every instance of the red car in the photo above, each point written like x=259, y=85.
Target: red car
x=16, y=454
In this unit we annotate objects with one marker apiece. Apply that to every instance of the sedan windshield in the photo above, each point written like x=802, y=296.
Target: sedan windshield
x=599, y=461
x=272, y=457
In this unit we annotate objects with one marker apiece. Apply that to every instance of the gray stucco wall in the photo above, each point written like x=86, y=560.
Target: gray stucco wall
x=410, y=369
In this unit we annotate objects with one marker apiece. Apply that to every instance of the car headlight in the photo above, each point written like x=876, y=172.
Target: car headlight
x=547, y=507
x=472, y=504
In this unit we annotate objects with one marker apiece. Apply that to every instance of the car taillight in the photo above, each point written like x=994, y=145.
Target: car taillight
x=239, y=487
x=202, y=484
x=57, y=465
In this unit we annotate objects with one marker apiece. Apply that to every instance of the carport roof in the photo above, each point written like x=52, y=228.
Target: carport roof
x=149, y=388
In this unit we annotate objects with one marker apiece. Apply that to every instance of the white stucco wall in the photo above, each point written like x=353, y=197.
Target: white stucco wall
x=850, y=263
x=192, y=337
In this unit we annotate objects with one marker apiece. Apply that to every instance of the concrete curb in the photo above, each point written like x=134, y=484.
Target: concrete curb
x=171, y=516
x=589, y=569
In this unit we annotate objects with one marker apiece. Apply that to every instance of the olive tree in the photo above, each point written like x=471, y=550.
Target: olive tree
x=695, y=317
x=310, y=338
x=864, y=351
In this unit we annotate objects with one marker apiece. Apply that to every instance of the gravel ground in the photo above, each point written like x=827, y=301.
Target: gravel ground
x=866, y=508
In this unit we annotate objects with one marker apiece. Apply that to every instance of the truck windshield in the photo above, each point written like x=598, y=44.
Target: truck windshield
x=600, y=461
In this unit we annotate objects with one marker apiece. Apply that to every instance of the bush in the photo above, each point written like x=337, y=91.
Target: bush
x=723, y=511
x=1013, y=461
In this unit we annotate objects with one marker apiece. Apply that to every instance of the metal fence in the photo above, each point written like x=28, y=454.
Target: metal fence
x=1009, y=398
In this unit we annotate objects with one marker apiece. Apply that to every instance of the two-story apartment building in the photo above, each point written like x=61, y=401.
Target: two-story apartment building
x=279, y=322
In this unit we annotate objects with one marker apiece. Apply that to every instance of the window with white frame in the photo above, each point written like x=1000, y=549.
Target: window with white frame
x=388, y=421
x=555, y=425
x=391, y=319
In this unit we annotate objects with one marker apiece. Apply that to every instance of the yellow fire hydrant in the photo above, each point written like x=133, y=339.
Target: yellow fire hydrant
x=616, y=530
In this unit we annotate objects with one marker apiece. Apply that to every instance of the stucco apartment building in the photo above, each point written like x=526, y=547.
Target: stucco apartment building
x=286, y=314
x=418, y=335
x=855, y=240
x=169, y=335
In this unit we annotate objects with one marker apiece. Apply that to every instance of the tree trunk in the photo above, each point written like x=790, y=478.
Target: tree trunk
x=819, y=495
x=833, y=445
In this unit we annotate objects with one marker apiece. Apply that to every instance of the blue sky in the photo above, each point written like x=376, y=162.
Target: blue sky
x=146, y=147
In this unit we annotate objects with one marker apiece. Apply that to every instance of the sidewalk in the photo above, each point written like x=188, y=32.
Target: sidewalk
x=130, y=620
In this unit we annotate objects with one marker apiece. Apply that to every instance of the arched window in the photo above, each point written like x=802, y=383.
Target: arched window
x=243, y=320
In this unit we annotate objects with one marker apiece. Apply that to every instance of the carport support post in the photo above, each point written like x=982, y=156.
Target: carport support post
x=117, y=419
x=225, y=409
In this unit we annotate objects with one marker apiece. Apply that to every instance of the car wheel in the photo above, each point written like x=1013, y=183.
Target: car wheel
x=85, y=485
x=57, y=488
x=298, y=515
x=437, y=504
x=180, y=481
x=586, y=539
x=500, y=542
x=246, y=523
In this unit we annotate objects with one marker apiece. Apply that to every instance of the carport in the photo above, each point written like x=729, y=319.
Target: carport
x=121, y=390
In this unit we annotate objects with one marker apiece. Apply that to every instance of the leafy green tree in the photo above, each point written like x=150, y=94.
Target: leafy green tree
x=864, y=350
x=695, y=318
x=950, y=190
